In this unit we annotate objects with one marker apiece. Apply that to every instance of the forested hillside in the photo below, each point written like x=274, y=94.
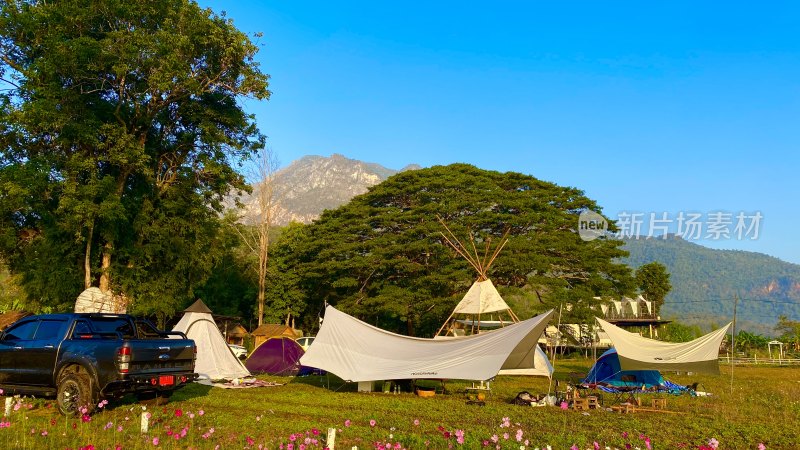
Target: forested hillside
x=706, y=281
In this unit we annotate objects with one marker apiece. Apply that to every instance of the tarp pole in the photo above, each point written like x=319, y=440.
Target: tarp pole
x=733, y=337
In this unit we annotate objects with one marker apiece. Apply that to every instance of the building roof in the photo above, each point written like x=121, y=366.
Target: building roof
x=274, y=329
x=11, y=317
x=234, y=329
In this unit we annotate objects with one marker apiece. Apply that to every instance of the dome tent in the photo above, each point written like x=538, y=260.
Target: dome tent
x=276, y=356
x=607, y=370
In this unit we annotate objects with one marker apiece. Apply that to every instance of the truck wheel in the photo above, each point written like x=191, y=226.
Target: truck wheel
x=75, y=391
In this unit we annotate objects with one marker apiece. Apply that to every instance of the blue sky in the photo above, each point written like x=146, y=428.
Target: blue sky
x=648, y=108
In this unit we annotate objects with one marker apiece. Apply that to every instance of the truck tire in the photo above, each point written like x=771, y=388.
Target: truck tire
x=76, y=391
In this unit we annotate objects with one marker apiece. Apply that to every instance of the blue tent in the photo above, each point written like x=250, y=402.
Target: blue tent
x=606, y=370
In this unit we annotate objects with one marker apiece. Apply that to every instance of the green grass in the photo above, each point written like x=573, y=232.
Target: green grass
x=763, y=407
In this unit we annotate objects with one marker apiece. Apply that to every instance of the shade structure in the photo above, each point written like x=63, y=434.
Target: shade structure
x=608, y=371
x=357, y=351
x=276, y=356
x=215, y=361
x=639, y=353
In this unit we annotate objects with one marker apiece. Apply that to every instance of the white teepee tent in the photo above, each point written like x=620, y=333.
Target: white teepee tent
x=215, y=360
x=483, y=307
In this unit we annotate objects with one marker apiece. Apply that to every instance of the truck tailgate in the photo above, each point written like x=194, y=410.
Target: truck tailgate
x=161, y=356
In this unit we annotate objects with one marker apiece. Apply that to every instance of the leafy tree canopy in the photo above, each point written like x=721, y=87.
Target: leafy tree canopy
x=118, y=138
x=382, y=257
x=653, y=282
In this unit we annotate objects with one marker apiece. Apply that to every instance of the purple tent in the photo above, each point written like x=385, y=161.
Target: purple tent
x=276, y=356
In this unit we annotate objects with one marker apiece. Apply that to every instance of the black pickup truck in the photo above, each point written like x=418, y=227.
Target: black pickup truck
x=83, y=358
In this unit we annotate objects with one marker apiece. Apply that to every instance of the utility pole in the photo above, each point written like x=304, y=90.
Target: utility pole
x=733, y=336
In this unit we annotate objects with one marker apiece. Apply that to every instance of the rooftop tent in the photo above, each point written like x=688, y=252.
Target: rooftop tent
x=276, y=356
x=607, y=370
x=357, y=351
x=639, y=353
x=215, y=360
x=93, y=300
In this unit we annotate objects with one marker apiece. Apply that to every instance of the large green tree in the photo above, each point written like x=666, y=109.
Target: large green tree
x=382, y=257
x=120, y=126
x=653, y=282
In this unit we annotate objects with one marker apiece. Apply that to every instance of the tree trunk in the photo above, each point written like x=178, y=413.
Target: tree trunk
x=87, y=261
x=260, y=299
x=105, y=275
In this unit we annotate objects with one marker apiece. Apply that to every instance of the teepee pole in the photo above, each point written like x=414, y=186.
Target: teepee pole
x=463, y=255
x=482, y=270
x=445, y=323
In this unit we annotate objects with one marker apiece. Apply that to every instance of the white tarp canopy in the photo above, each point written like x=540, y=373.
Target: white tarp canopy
x=639, y=353
x=215, y=361
x=481, y=298
x=357, y=351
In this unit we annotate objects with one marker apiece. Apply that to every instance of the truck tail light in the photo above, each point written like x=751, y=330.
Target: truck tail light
x=124, y=359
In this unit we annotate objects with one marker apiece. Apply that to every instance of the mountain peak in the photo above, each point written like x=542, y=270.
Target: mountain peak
x=314, y=183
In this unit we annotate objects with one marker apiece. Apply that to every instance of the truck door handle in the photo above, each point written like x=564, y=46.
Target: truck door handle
x=49, y=346
x=17, y=347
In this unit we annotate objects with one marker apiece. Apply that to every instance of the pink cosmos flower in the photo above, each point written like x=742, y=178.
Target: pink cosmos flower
x=155, y=441
x=201, y=412
x=416, y=422
x=44, y=432
x=347, y=423
x=564, y=406
x=761, y=446
x=519, y=435
x=178, y=413
x=713, y=443
x=372, y=422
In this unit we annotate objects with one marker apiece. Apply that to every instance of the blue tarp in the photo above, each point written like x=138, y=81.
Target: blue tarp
x=607, y=370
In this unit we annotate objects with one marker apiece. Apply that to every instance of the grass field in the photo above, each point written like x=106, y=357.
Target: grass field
x=763, y=408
